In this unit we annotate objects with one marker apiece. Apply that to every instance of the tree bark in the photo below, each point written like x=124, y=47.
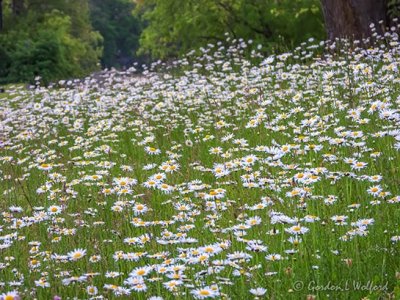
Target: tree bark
x=352, y=18
x=17, y=7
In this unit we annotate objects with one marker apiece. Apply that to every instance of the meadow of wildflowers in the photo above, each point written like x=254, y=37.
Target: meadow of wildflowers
x=238, y=177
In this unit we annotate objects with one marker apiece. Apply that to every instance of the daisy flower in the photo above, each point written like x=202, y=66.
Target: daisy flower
x=54, y=210
x=141, y=287
x=92, y=290
x=273, y=257
x=166, y=188
x=152, y=151
x=219, y=170
x=358, y=165
x=172, y=285
x=140, y=271
x=297, y=229
x=45, y=167
x=215, y=150
x=339, y=220
x=374, y=190
x=258, y=291
x=42, y=283
x=204, y=293
x=150, y=184
x=158, y=177
x=172, y=168
x=124, y=182
x=76, y=254
x=139, y=209
x=95, y=258
x=13, y=295
x=124, y=191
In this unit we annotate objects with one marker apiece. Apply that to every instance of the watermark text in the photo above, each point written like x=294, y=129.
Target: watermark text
x=347, y=285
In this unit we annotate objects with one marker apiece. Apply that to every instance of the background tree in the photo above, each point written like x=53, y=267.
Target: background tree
x=18, y=7
x=175, y=26
x=1, y=15
x=53, y=39
x=352, y=18
x=119, y=28
x=69, y=38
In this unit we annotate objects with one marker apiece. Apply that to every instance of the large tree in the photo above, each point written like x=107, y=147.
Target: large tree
x=352, y=18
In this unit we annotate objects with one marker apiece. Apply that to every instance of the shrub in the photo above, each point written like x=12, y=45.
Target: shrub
x=48, y=50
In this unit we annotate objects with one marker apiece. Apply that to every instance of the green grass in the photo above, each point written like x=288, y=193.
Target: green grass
x=105, y=129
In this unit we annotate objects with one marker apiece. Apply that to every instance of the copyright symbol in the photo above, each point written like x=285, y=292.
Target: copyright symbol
x=298, y=285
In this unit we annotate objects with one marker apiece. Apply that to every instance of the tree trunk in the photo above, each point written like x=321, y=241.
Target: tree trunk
x=352, y=18
x=17, y=7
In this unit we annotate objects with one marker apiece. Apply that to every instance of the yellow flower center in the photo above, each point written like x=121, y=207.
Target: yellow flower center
x=204, y=293
x=141, y=272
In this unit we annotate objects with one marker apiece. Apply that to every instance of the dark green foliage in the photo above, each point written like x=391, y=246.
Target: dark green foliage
x=49, y=43
x=119, y=28
x=70, y=38
x=5, y=62
x=393, y=7
x=175, y=26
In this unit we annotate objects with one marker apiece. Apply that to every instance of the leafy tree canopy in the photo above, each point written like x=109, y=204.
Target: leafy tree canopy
x=52, y=39
x=175, y=26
